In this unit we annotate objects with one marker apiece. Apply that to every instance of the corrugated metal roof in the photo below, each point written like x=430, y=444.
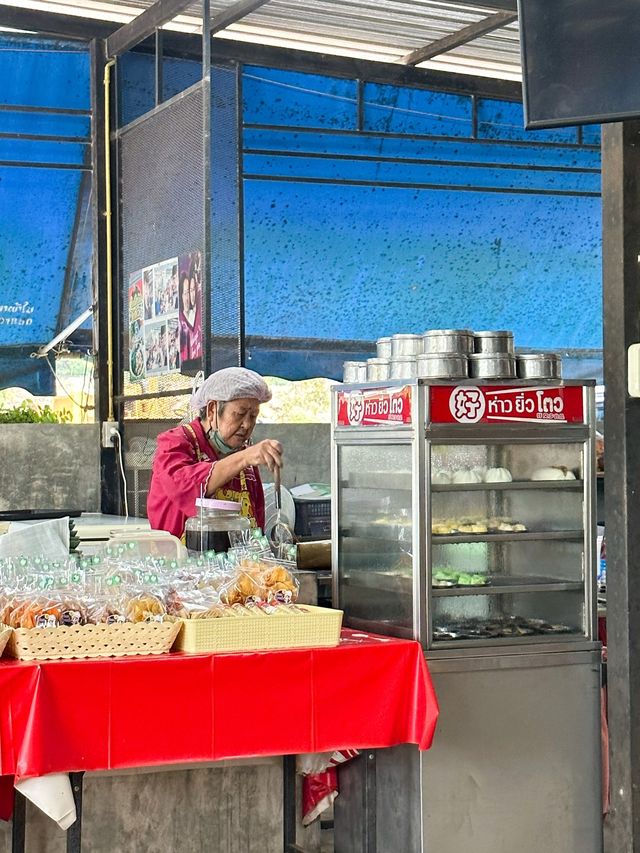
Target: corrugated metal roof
x=382, y=30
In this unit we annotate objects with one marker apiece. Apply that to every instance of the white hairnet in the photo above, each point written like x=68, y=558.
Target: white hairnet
x=231, y=383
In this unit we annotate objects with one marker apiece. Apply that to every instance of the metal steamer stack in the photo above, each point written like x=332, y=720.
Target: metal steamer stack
x=452, y=354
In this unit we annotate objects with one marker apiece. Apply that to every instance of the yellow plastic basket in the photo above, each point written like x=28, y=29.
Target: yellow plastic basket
x=92, y=641
x=319, y=627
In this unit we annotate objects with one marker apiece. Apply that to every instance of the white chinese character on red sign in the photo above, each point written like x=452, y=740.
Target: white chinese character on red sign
x=355, y=408
x=467, y=405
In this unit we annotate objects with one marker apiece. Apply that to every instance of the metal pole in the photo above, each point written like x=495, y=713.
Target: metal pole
x=18, y=828
x=74, y=833
x=207, y=279
x=621, y=290
x=109, y=482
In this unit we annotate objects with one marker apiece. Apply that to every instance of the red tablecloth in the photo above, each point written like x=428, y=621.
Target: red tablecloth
x=133, y=712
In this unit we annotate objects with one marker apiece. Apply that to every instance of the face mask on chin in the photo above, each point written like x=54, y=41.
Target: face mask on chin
x=218, y=443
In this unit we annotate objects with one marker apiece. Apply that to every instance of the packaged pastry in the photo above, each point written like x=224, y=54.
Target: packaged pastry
x=282, y=586
x=145, y=607
x=243, y=588
x=36, y=612
x=73, y=612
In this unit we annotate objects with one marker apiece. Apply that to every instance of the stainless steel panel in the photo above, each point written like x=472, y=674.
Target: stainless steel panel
x=515, y=766
x=515, y=763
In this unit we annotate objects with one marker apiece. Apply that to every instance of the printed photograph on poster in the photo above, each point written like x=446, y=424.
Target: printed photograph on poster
x=136, y=323
x=136, y=354
x=190, y=314
x=147, y=275
x=155, y=345
x=165, y=281
x=135, y=296
x=173, y=344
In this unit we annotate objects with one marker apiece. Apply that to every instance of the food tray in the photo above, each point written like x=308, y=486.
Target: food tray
x=320, y=627
x=5, y=633
x=92, y=641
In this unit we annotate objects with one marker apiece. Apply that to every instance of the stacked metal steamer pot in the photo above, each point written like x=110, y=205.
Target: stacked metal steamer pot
x=452, y=354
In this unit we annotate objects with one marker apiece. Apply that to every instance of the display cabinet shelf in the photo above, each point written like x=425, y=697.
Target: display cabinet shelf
x=512, y=486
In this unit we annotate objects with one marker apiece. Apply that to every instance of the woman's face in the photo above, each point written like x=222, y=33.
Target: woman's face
x=185, y=294
x=237, y=421
x=192, y=292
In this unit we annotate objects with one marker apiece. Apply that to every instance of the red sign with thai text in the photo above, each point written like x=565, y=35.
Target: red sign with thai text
x=471, y=404
x=375, y=407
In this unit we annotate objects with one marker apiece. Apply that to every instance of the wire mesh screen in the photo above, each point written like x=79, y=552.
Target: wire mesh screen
x=226, y=232
x=162, y=241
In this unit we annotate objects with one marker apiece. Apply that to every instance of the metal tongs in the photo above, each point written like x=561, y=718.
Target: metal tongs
x=280, y=533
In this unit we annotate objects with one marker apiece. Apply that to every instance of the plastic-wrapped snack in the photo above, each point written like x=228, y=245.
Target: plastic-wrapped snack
x=105, y=610
x=7, y=606
x=38, y=612
x=282, y=586
x=73, y=612
x=145, y=607
x=243, y=588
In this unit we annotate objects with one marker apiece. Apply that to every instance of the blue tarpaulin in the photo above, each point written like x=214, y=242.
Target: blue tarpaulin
x=45, y=189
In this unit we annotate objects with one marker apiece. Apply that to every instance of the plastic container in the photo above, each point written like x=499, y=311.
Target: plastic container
x=209, y=529
x=146, y=543
x=313, y=517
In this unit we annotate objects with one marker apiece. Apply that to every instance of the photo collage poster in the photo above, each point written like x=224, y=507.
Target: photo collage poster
x=165, y=317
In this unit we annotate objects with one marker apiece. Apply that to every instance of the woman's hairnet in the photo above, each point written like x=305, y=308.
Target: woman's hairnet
x=231, y=383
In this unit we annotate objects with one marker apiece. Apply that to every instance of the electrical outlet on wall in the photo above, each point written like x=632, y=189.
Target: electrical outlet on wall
x=109, y=431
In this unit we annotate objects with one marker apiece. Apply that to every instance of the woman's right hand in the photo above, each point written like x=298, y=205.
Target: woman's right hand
x=266, y=452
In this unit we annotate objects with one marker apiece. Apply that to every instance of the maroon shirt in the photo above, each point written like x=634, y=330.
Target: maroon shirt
x=178, y=477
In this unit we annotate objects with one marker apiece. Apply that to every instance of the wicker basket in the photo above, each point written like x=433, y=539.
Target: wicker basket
x=92, y=641
x=5, y=633
x=320, y=627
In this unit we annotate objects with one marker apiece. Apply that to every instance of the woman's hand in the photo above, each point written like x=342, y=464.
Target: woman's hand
x=267, y=452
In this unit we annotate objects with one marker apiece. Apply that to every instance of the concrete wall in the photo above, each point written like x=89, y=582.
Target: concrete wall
x=50, y=466
x=231, y=807
x=306, y=452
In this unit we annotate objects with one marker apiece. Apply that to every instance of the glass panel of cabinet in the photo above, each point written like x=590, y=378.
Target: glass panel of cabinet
x=457, y=540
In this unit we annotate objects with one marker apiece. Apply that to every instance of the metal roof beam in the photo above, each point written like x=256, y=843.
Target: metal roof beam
x=463, y=36
x=163, y=11
x=54, y=24
x=144, y=25
x=508, y=5
x=234, y=13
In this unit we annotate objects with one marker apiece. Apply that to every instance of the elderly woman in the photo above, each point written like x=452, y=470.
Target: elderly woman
x=212, y=455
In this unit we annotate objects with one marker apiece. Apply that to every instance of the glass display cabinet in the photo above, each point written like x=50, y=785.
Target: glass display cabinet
x=464, y=515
